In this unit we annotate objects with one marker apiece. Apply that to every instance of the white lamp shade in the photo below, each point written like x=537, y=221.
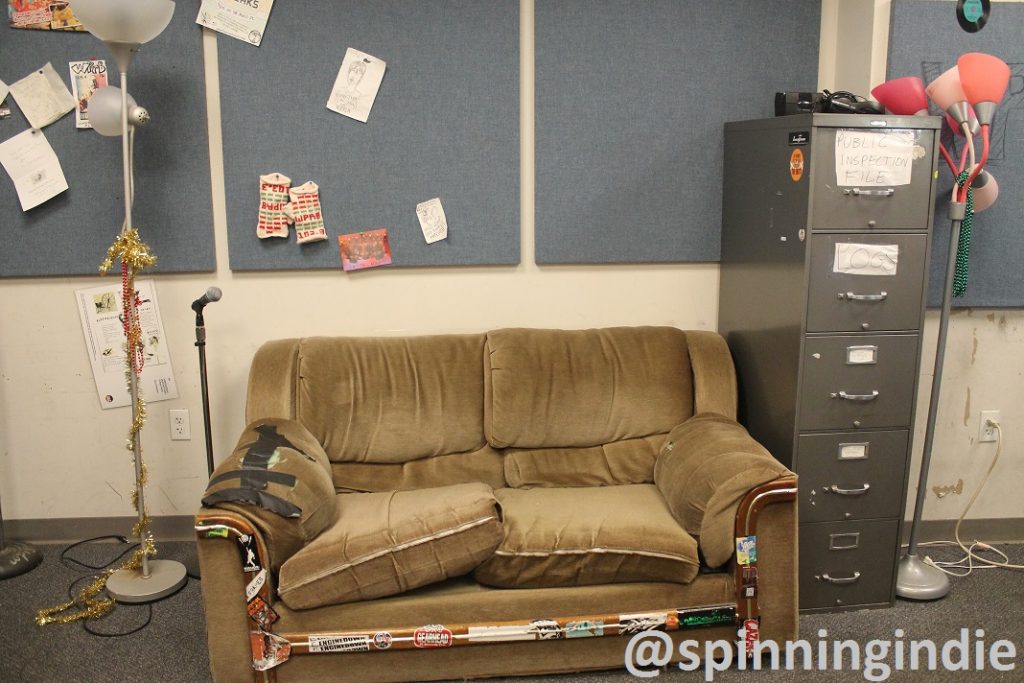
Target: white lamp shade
x=132, y=22
x=105, y=110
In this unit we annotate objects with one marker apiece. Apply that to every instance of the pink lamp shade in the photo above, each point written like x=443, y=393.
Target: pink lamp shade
x=984, y=79
x=985, y=193
x=902, y=96
x=947, y=92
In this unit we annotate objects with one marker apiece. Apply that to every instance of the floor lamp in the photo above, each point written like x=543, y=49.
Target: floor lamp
x=978, y=82
x=124, y=27
x=16, y=558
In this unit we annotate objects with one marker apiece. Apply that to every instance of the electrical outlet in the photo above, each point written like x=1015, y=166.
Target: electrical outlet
x=181, y=430
x=985, y=431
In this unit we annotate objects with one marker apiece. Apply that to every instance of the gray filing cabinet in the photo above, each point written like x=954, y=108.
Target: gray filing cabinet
x=826, y=229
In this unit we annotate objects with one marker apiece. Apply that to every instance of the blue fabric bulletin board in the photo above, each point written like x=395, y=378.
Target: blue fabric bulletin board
x=925, y=40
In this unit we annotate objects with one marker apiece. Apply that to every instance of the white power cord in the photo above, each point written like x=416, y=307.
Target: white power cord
x=967, y=562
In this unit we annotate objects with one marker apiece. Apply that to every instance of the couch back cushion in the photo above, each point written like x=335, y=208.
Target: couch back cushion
x=377, y=400
x=582, y=388
x=621, y=462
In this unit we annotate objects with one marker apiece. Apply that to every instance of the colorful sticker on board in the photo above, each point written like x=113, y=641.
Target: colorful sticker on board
x=799, y=138
x=382, y=640
x=972, y=15
x=796, y=164
x=350, y=643
x=262, y=613
x=268, y=650
x=433, y=635
x=746, y=550
x=584, y=629
x=256, y=584
x=751, y=633
x=635, y=623
x=547, y=629
x=215, y=533
x=706, y=616
x=247, y=547
x=500, y=634
x=750, y=582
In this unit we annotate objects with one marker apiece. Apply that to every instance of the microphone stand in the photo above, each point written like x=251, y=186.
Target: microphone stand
x=198, y=306
x=201, y=345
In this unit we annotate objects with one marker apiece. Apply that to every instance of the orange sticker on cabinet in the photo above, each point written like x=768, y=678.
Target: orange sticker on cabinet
x=796, y=165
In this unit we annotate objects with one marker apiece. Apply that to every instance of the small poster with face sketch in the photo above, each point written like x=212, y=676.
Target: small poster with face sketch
x=433, y=222
x=356, y=85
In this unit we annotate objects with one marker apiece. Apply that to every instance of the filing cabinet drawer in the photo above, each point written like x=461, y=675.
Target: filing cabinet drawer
x=847, y=563
x=851, y=475
x=856, y=196
x=865, y=282
x=861, y=381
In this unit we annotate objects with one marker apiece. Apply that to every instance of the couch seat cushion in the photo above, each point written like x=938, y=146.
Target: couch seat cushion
x=389, y=542
x=587, y=536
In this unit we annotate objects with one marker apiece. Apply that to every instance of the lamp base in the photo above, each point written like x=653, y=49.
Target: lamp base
x=130, y=586
x=917, y=580
x=18, y=558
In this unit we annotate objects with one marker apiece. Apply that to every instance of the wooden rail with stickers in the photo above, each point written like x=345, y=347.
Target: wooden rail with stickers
x=748, y=613
x=270, y=649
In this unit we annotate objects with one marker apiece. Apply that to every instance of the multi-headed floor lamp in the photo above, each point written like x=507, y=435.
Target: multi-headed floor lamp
x=975, y=86
x=124, y=27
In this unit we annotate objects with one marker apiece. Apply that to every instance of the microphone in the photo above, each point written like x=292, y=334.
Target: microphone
x=212, y=294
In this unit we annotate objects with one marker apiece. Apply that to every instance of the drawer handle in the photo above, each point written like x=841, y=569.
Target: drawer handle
x=848, y=492
x=839, y=580
x=850, y=296
x=857, y=192
x=856, y=397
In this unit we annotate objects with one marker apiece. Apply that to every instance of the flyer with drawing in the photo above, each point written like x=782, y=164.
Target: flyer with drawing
x=356, y=85
x=100, y=310
x=87, y=77
x=245, y=20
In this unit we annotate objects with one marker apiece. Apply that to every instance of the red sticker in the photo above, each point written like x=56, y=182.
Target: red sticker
x=750, y=634
x=433, y=635
x=262, y=613
x=796, y=164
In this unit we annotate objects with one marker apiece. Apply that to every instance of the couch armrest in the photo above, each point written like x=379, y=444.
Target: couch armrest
x=769, y=513
x=279, y=480
x=706, y=467
x=224, y=598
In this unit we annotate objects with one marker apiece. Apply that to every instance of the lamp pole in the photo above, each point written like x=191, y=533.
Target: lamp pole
x=916, y=579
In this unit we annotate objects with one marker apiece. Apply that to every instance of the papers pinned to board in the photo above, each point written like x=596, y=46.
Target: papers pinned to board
x=33, y=166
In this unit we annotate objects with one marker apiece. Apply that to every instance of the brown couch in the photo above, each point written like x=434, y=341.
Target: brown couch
x=515, y=502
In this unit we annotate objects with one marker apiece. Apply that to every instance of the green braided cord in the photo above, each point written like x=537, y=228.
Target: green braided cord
x=963, y=247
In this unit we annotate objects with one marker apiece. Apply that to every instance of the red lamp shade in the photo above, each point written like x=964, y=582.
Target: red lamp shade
x=984, y=79
x=902, y=96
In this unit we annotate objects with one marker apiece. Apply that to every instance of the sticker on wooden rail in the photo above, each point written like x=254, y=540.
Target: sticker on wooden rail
x=348, y=643
x=746, y=550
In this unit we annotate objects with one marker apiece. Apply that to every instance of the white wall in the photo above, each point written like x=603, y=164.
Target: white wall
x=61, y=456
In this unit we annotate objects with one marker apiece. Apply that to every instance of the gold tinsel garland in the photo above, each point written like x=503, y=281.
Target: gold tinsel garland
x=134, y=255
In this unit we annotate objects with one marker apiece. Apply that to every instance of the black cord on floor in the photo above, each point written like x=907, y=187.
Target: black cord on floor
x=78, y=565
x=69, y=561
